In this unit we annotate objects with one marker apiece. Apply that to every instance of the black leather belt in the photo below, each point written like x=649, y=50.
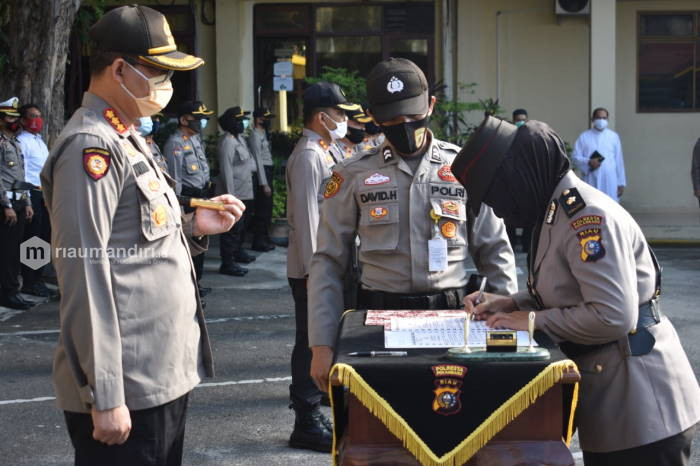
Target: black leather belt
x=193, y=192
x=641, y=341
x=445, y=299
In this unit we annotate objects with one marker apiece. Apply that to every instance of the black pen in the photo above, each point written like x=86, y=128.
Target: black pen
x=374, y=354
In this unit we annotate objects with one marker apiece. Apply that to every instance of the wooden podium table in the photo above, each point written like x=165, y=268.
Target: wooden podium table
x=532, y=434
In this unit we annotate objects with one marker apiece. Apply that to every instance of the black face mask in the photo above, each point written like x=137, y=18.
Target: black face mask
x=266, y=124
x=355, y=135
x=237, y=127
x=195, y=125
x=403, y=136
x=372, y=129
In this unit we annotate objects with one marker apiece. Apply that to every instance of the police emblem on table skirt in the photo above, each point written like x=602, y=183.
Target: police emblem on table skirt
x=448, y=382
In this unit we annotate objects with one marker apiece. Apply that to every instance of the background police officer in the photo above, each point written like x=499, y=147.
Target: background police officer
x=259, y=145
x=16, y=206
x=410, y=214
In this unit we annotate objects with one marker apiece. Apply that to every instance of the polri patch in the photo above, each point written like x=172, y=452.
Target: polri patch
x=333, y=185
x=448, y=383
x=571, y=201
x=591, y=243
x=377, y=178
x=445, y=174
x=96, y=162
x=586, y=220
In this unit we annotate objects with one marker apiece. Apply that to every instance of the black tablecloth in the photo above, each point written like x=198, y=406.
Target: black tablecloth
x=409, y=385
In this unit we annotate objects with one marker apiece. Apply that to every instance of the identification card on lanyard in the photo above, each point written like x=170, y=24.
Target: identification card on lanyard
x=437, y=248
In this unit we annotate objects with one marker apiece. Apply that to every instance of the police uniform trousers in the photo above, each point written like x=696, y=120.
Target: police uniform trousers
x=303, y=389
x=10, y=239
x=263, y=207
x=671, y=451
x=41, y=228
x=231, y=242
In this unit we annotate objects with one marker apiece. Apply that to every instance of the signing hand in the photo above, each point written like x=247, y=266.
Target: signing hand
x=10, y=216
x=212, y=222
x=29, y=213
x=112, y=426
x=267, y=191
x=321, y=366
x=491, y=304
x=516, y=320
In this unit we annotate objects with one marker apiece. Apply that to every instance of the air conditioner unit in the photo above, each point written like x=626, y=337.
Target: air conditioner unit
x=572, y=7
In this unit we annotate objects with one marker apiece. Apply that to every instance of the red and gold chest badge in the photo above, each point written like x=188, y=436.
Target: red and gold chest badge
x=445, y=174
x=378, y=212
x=449, y=229
x=450, y=208
x=159, y=216
x=448, y=384
x=111, y=117
x=333, y=185
x=96, y=162
x=591, y=244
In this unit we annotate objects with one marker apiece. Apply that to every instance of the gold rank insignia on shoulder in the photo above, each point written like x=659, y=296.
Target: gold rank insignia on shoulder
x=571, y=201
x=111, y=117
x=96, y=162
x=333, y=185
x=324, y=145
x=551, y=213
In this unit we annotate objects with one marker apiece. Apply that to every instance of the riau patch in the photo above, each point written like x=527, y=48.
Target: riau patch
x=449, y=229
x=159, y=216
x=445, y=174
x=333, y=185
x=378, y=212
x=111, y=117
x=551, y=213
x=586, y=220
x=377, y=178
x=96, y=162
x=450, y=208
x=571, y=201
x=591, y=244
x=448, y=383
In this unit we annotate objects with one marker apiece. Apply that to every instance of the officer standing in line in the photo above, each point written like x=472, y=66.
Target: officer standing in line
x=187, y=162
x=308, y=170
x=146, y=128
x=356, y=141
x=16, y=205
x=410, y=213
x=260, y=148
x=236, y=167
x=128, y=353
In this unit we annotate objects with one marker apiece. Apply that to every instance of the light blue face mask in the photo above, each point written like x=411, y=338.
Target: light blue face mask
x=246, y=123
x=146, y=126
x=204, y=122
x=519, y=123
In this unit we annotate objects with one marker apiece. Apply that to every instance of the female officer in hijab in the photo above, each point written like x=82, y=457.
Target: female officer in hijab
x=594, y=286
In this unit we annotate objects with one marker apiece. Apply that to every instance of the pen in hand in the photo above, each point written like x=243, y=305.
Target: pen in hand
x=480, y=297
x=374, y=354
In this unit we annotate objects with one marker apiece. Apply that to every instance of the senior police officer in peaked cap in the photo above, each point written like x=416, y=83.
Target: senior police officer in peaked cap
x=128, y=352
x=416, y=235
x=595, y=287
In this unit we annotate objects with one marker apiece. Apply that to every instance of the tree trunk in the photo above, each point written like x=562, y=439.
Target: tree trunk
x=37, y=32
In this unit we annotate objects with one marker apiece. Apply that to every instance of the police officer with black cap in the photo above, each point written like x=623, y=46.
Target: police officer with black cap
x=16, y=206
x=187, y=162
x=259, y=145
x=402, y=200
x=128, y=352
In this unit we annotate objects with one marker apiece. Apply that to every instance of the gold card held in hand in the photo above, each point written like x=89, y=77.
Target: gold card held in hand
x=501, y=341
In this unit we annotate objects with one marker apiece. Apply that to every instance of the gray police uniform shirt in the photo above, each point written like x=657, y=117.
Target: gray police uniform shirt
x=123, y=339
x=308, y=170
x=378, y=197
x=260, y=149
x=591, y=272
x=157, y=155
x=235, y=167
x=11, y=170
x=187, y=162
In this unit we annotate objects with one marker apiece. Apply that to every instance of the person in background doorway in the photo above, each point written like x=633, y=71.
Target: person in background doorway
x=259, y=145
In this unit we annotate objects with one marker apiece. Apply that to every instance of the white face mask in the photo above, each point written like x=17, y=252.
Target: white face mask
x=160, y=91
x=341, y=129
x=600, y=124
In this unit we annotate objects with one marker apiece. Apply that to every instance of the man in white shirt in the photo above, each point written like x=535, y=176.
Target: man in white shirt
x=598, y=156
x=35, y=153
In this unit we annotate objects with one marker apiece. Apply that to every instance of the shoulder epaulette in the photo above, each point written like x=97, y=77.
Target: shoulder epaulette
x=571, y=201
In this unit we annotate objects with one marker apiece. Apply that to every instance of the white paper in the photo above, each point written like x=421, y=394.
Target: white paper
x=440, y=332
x=437, y=255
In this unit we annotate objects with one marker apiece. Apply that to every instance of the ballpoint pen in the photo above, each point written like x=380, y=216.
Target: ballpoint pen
x=374, y=354
x=480, y=298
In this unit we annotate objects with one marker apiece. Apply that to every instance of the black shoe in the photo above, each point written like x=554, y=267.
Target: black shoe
x=262, y=246
x=40, y=290
x=203, y=291
x=233, y=269
x=15, y=302
x=243, y=257
x=311, y=431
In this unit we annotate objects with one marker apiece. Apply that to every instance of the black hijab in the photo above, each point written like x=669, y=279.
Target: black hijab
x=524, y=183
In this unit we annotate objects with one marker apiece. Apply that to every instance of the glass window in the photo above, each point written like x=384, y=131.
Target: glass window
x=666, y=25
x=282, y=19
x=665, y=76
x=415, y=50
x=350, y=52
x=349, y=19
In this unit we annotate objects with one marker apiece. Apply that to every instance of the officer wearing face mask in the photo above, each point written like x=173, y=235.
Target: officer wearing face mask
x=129, y=352
x=146, y=127
x=260, y=149
x=308, y=171
x=410, y=213
x=236, y=168
x=16, y=205
x=356, y=141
